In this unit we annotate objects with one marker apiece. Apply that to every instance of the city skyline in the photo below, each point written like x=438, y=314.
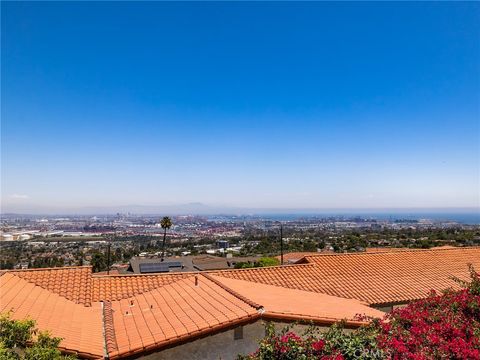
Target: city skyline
x=240, y=105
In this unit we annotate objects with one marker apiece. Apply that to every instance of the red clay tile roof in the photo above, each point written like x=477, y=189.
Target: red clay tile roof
x=280, y=302
x=117, y=287
x=129, y=315
x=73, y=283
x=77, y=284
x=301, y=277
x=109, y=329
x=78, y=325
x=390, y=249
x=387, y=249
x=375, y=278
x=173, y=313
x=396, y=276
x=111, y=272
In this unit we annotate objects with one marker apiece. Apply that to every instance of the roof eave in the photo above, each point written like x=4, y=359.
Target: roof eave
x=319, y=321
x=184, y=338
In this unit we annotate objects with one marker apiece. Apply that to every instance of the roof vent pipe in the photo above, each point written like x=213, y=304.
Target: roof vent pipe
x=196, y=280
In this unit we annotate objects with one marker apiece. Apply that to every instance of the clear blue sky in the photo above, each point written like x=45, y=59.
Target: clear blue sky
x=240, y=104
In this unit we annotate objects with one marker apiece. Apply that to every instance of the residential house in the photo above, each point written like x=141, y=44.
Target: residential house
x=219, y=314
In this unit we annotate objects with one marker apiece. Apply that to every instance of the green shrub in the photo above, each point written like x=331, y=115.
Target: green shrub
x=262, y=262
x=21, y=340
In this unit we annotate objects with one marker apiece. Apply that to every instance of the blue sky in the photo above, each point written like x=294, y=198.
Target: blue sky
x=319, y=105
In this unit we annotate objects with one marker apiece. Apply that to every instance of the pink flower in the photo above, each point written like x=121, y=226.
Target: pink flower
x=318, y=345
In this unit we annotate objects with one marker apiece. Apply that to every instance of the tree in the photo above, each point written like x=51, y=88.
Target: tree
x=21, y=340
x=99, y=263
x=166, y=223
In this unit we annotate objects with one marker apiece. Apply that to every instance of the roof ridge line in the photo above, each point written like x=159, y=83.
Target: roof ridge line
x=49, y=268
x=258, y=268
x=193, y=272
x=109, y=338
x=233, y=292
x=407, y=250
x=94, y=275
x=141, y=291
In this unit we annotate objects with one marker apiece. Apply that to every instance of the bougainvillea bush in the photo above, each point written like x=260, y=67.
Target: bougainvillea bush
x=442, y=326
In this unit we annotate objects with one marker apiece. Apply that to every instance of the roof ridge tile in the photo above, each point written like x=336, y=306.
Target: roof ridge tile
x=108, y=328
x=50, y=268
x=233, y=292
x=393, y=251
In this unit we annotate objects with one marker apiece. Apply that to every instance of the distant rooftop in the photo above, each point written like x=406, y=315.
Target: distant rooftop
x=140, y=265
x=143, y=265
x=293, y=257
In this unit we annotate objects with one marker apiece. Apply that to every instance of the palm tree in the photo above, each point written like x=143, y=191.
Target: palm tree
x=165, y=223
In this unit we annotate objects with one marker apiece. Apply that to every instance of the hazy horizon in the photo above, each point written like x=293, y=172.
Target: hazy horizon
x=246, y=105
x=198, y=208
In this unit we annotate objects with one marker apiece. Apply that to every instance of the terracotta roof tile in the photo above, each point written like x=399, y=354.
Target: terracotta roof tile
x=123, y=286
x=298, y=304
x=72, y=283
x=376, y=278
x=79, y=326
x=174, y=312
x=392, y=249
x=301, y=277
x=145, y=312
x=109, y=331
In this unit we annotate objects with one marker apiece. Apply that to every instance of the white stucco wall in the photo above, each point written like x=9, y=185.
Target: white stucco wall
x=220, y=346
